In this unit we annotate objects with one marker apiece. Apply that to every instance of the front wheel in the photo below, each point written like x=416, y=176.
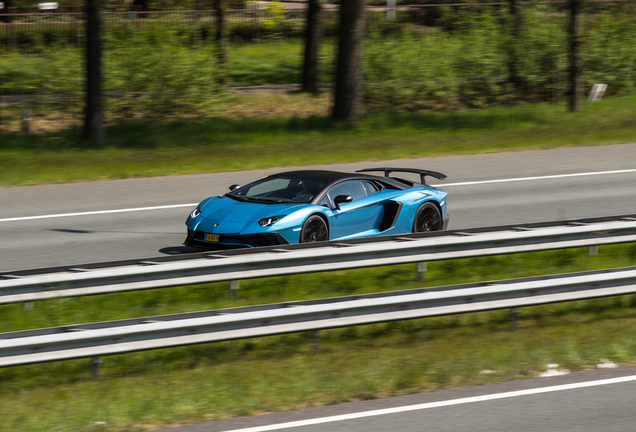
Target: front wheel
x=427, y=218
x=314, y=230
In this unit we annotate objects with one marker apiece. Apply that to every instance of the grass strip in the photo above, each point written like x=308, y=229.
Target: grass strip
x=146, y=390
x=249, y=136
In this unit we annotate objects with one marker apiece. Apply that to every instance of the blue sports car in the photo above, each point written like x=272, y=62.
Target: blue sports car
x=311, y=206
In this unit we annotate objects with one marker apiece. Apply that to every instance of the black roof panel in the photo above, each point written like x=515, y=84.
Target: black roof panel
x=329, y=176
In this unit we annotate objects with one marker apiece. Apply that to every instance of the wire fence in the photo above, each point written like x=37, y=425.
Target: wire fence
x=26, y=30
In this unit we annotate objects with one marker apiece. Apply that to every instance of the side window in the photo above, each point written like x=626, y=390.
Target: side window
x=370, y=187
x=354, y=188
x=325, y=202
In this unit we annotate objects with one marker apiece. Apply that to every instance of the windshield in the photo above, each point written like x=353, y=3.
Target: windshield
x=279, y=189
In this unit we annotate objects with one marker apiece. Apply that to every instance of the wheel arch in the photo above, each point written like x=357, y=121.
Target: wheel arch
x=324, y=218
x=432, y=201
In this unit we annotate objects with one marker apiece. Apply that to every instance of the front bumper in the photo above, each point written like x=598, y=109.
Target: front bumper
x=197, y=239
x=445, y=221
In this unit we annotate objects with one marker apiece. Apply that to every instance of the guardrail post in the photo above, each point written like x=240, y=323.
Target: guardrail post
x=316, y=342
x=28, y=306
x=234, y=287
x=592, y=251
x=514, y=318
x=390, y=10
x=96, y=364
x=421, y=271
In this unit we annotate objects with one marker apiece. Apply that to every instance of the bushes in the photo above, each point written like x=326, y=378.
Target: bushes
x=468, y=65
x=157, y=73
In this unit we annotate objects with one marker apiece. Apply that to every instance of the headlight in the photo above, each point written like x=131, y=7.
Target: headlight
x=265, y=222
x=196, y=212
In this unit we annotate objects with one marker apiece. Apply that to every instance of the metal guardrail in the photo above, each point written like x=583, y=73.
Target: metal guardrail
x=296, y=259
x=117, y=337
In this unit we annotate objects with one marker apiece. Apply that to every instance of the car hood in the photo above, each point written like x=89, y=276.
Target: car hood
x=224, y=209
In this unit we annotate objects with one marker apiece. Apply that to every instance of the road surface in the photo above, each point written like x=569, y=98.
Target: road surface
x=73, y=224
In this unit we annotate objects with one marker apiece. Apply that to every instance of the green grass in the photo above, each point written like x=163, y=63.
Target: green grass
x=271, y=62
x=274, y=63
x=227, y=143
x=147, y=390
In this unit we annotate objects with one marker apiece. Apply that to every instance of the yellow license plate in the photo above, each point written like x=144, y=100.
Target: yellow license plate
x=212, y=237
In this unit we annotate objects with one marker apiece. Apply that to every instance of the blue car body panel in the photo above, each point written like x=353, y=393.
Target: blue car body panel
x=229, y=221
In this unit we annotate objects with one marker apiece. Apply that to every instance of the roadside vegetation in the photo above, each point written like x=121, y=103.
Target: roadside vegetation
x=278, y=130
x=147, y=390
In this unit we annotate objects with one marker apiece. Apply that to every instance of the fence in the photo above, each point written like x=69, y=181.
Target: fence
x=29, y=32
x=25, y=30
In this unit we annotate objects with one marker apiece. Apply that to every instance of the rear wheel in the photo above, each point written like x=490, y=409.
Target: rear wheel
x=314, y=230
x=427, y=218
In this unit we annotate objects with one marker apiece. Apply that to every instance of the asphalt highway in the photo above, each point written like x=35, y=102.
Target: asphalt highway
x=73, y=224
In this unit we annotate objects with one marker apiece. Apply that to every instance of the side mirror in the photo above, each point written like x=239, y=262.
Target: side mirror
x=342, y=199
x=234, y=187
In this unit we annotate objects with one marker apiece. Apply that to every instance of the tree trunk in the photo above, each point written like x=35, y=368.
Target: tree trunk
x=93, y=116
x=313, y=36
x=576, y=66
x=513, y=48
x=221, y=40
x=348, y=94
x=5, y=11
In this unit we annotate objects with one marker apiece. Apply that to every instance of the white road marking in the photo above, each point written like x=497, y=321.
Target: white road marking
x=538, y=178
x=97, y=212
x=440, y=185
x=439, y=404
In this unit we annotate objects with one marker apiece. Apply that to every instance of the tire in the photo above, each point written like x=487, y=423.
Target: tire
x=314, y=230
x=427, y=218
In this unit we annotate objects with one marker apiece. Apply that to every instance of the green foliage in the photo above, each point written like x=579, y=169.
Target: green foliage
x=465, y=66
x=159, y=72
x=275, y=17
x=610, y=41
x=60, y=73
x=464, y=60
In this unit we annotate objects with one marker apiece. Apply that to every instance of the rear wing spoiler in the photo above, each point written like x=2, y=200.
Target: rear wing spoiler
x=422, y=173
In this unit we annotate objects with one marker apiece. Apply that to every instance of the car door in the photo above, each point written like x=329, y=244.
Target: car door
x=360, y=215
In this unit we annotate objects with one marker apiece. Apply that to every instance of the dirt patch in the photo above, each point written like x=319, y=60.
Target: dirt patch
x=266, y=102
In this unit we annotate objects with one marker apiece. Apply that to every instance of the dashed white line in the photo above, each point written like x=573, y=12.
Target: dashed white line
x=396, y=410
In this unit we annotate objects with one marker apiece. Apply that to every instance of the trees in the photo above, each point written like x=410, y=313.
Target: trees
x=313, y=36
x=221, y=39
x=348, y=93
x=575, y=67
x=513, y=47
x=5, y=11
x=93, y=115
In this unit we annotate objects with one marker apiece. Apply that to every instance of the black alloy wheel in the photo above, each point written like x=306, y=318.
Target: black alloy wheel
x=427, y=219
x=314, y=230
